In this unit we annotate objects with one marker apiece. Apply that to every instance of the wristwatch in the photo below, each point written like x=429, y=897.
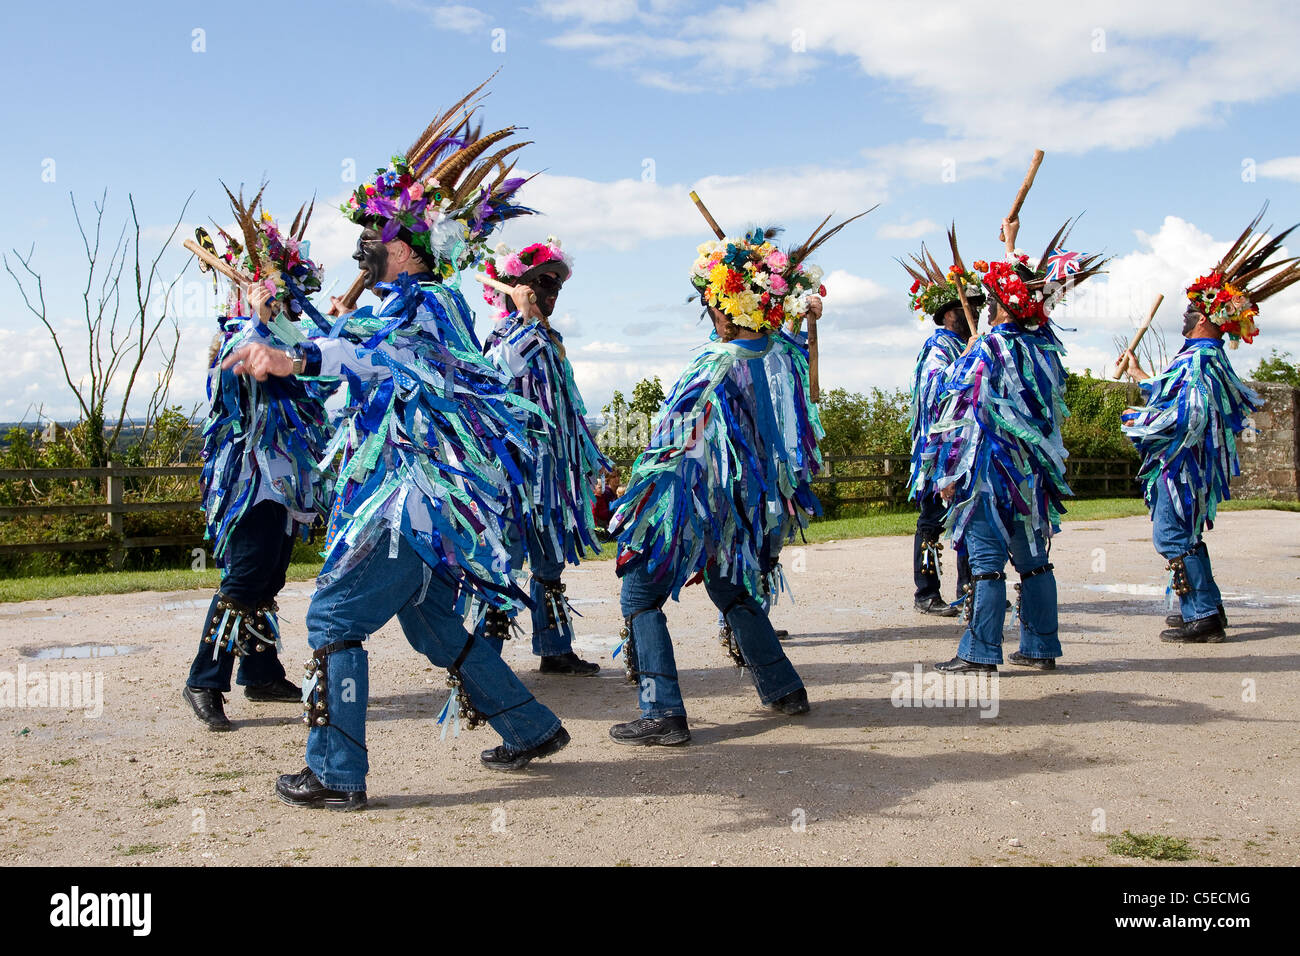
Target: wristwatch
x=296, y=357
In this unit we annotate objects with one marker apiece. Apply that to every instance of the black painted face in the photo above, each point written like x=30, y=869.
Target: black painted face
x=371, y=256
x=1190, y=318
x=548, y=286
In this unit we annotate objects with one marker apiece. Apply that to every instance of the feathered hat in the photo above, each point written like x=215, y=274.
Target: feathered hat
x=447, y=195
x=514, y=268
x=754, y=283
x=1225, y=296
x=935, y=291
x=266, y=253
x=1030, y=293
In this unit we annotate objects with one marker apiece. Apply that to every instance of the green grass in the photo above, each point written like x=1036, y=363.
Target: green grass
x=136, y=849
x=1151, y=846
x=835, y=529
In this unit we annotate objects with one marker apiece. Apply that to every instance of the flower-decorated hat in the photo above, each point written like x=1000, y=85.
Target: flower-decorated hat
x=1030, y=293
x=1225, y=297
x=445, y=197
x=934, y=291
x=754, y=283
x=514, y=268
x=269, y=255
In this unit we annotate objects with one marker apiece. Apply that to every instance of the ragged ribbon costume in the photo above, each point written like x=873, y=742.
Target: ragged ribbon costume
x=1187, y=430
x=997, y=432
x=262, y=441
x=560, y=497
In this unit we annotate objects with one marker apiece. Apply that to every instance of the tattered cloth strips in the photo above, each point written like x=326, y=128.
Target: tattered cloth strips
x=268, y=255
x=938, y=353
x=512, y=267
x=727, y=471
x=1187, y=430
x=432, y=450
x=559, y=502
x=1230, y=295
x=997, y=436
x=1030, y=293
x=445, y=197
x=263, y=440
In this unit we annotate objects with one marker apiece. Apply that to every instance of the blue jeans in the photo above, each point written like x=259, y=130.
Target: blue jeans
x=360, y=603
x=1174, y=536
x=255, y=564
x=982, y=642
x=547, y=640
x=660, y=695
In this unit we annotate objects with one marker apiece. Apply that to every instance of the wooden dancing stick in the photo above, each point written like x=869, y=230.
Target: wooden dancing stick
x=1024, y=190
x=358, y=286
x=221, y=265
x=1122, y=365
x=972, y=320
x=814, y=384
x=717, y=230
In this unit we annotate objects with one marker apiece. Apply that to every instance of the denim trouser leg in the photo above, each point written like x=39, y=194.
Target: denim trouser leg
x=435, y=630
x=929, y=525
x=982, y=641
x=257, y=557
x=544, y=566
x=642, y=598
x=516, y=549
x=361, y=602
x=1038, y=624
x=1173, y=536
x=773, y=674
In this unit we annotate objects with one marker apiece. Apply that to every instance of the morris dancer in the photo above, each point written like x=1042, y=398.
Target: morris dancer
x=559, y=523
x=1187, y=431
x=995, y=453
x=935, y=293
x=725, y=475
x=429, y=449
x=260, y=481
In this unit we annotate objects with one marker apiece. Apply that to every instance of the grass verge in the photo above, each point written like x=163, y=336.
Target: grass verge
x=836, y=529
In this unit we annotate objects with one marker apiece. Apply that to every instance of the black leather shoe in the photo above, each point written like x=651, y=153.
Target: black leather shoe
x=1038, y=663
x=508, y=758
x=651, y=731
x=276, y=690
x=303, y=789
x=1176, y=620
x=207, y=705
x=782, y=634
x=959, y=666
x=569, y=663
x=937, y=606
x=1208, y=630
x=792, y=704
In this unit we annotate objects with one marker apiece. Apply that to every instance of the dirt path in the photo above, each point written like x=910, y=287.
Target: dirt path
x=1191, y=741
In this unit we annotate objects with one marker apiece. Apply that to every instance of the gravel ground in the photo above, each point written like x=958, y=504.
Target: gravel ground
x=1197, y=742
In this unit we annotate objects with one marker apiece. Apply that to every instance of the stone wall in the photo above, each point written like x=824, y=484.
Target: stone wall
x=1269, y=459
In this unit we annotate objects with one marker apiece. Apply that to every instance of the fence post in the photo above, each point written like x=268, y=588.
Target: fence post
x=889, y=481
x=116, y=523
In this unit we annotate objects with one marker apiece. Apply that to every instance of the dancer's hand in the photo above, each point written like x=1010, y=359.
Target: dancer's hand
x=259, y=297
x=259, y=361
x=1134, y=369
x=948, y=492
x=337, y=307
x=525, y=300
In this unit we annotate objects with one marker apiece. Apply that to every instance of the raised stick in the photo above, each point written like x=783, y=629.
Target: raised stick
x=1024, y=190
x=221, y=265
x=717, y=230
x=358, y=286
x=971, y=319
x=1122, y=365
x=814, y=383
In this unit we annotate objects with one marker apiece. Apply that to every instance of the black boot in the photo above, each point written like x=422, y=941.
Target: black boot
x=651, y=731
x=960, y=665
x=207, y=705
x=793, y=704
x=304, y=789
x=935, y=605
x=508, y=758
x=1176, y=620
x=1038, y=663
x=276, y=690
x=1208, y=630
x=567, y=663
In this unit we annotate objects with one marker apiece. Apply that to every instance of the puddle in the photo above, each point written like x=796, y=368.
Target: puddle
x=78, y=651
x=582, y=602
x=201, y=604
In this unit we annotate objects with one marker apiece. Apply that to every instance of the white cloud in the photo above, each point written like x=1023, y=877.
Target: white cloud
x=1284, y=167
x=907, y=230
x=447, y=16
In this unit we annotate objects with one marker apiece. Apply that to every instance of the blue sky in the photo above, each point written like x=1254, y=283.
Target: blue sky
x=1166, y=124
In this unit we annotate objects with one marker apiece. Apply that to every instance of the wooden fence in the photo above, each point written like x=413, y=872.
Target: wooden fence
x=115, y=507
x=844, y=480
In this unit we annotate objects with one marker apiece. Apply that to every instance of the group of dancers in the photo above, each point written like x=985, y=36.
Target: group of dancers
x=455, y=460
